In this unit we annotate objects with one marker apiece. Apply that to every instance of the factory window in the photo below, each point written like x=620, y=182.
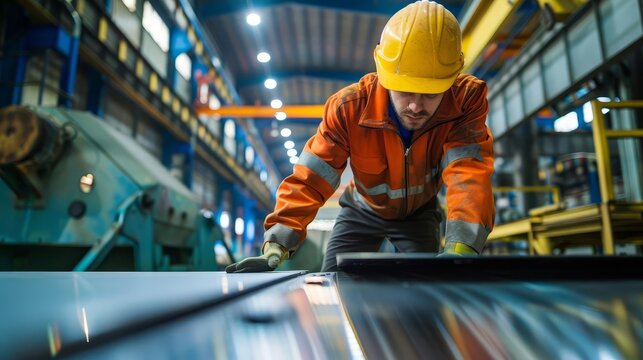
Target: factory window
x=171, y=4
x=155, y=26
x=149, y=137
x=183, y=65
x=118, y=113
x=204, y=185
x=49, y=76
x=125, y=18
x=181, y=20
x=131, y=4
x=214, y=126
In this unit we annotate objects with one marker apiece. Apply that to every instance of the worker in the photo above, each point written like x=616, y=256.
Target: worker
x=406, y=130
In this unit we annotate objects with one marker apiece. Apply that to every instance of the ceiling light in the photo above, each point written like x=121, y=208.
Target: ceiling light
x=214, y=102
x=285, y=132
x=270, y=83
x=280, y=115
x=253, y=19
x=567, y=122
x=294, y=159
x=263, y=57
x=289, y=144
x=292, y=152
x=274, y=132
x=238, y=226
x=276, y=103
x=224, y=219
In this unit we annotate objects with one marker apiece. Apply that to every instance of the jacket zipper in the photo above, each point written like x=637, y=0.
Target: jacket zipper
x=406, y=181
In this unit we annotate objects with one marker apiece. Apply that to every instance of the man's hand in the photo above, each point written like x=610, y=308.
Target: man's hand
x=457, y=249
x=273, y=255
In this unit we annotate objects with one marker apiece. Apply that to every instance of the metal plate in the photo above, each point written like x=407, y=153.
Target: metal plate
x=408, y=312
x=46, y=313
x=297, y=319
x=399, y=318
x=498, y=268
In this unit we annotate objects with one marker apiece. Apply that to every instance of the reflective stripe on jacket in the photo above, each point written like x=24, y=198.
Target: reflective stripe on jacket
x=454, y=148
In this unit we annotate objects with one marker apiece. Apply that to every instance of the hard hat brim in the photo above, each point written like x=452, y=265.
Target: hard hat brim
x=410, y=84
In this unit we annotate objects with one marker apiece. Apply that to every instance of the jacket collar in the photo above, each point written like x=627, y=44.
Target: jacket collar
x=375, y=113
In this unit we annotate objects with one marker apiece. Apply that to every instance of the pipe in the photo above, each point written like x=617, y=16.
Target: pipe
x=69, y=72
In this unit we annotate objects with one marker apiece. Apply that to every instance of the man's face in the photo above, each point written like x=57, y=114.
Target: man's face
x=414, y=110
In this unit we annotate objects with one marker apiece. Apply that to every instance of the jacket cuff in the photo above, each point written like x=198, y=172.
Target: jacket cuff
x=474, y=235
x=283, y=236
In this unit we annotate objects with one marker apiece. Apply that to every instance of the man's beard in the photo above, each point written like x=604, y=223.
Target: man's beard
x=417, y=121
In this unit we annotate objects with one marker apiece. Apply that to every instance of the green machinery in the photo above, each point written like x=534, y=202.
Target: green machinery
x=78, y=195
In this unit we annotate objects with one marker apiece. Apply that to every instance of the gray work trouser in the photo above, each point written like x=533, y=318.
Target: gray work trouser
x=360, y=230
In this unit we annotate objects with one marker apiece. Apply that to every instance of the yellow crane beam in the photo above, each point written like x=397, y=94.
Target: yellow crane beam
x=483, y=26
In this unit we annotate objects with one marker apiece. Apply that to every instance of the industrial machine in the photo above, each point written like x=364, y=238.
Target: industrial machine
x=78, y=195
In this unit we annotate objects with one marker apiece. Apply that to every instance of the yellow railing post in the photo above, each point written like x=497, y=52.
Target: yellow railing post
x=602, y=153
x=604, y=176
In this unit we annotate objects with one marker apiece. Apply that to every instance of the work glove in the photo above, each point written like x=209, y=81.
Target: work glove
x=453, y=248
x=273, y=255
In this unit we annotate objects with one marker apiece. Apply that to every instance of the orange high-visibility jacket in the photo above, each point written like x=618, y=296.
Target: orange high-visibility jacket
x=454, y=148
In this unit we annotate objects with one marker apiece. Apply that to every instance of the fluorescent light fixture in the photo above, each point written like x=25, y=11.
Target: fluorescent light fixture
x=566, y=123
x=294, y=159
x=285, y=132
x=263, y=57
x=238, y=226
x=224, y=219
x=250, y=155
x=214, y=102
x=229, y=129
x=289, y=144
x=292, y=152
x=280, y=115
x=253, y=19
x=203, y=93
x=276, y=103
x=270, y=83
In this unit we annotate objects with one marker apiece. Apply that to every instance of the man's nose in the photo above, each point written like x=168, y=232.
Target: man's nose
x=415, y=104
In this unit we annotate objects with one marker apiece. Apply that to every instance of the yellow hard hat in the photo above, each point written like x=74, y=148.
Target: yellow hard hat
x=420, y=50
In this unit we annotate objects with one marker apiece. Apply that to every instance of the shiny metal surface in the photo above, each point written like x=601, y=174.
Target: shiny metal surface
x=44, y=314
x=407, y=311
x=413, y=318
x=297, y=319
